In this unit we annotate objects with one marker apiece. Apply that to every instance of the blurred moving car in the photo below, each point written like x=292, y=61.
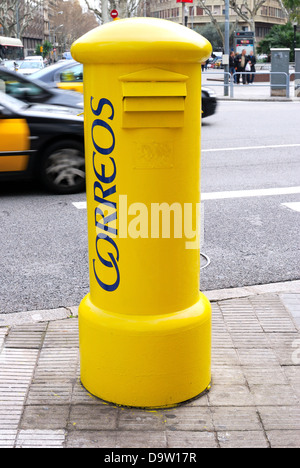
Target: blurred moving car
x=27, y=67
x=29, y=90
x=65, y=74
x=209, y=102
x=42, y=141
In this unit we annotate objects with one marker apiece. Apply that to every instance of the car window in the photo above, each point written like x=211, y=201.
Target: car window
x=16, y=87
x=74, y=73
x=30, y=64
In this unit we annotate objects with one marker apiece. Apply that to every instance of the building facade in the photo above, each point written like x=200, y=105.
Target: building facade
x=39, y=29
x=268, y=15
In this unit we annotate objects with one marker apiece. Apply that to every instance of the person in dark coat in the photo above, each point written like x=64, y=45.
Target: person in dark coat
x=232, y=65
x=252, y=62
x=241, y=62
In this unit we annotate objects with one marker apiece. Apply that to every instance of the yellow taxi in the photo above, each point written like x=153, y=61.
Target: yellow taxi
x=42, y=141
x=65, y=74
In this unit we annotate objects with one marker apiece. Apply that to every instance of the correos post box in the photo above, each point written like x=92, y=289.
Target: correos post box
x=144, y=327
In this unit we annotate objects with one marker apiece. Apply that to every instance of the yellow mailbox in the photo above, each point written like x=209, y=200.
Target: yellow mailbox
x=145, y=329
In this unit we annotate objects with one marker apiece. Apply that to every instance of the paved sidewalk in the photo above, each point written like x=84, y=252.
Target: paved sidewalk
x=254, y=400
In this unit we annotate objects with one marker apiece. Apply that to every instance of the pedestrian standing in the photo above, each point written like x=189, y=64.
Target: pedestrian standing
x=251, y=62
x=241, y=65
x=232, y=64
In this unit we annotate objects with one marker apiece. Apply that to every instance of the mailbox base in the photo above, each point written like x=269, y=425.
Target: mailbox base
x=145, y=361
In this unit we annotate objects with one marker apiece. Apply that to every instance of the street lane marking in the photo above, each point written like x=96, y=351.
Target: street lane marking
x=80, y=205
x=243, y=148
x=233, y=194
x=293, y=206
x=250, y=193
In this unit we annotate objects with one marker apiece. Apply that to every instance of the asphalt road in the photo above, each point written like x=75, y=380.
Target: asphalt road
x=250, y=172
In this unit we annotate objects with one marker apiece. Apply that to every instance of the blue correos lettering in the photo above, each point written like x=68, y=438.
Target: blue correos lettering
x=102, y=193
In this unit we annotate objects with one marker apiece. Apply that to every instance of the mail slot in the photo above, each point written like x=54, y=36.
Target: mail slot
x=144, y=327
x=153, y=98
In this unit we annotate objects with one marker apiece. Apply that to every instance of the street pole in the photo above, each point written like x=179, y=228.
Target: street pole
x=226, y=66
x=295, y=23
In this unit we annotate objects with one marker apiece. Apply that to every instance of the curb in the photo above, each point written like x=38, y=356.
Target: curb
x=257, y=99
x=62, y=313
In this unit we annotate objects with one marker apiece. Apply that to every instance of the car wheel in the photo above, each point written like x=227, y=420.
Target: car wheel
x=62, y=168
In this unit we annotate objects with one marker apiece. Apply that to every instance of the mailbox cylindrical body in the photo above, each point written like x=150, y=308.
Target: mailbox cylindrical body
x=144, y=327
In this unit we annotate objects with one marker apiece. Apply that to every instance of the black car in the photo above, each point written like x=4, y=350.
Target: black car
x=42, y=141
x=30, y=90
x=209, y=102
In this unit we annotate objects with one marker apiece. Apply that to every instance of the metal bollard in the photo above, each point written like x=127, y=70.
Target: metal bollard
x=144, y=328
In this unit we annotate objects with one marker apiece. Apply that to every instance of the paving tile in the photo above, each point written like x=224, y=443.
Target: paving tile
x=144, y=439
x=272, y=314
x=87, y=417
x=235, y=419
x=257, y=357
x=81, y=395
x=10, y=415
x=284, y=439
x=225, y=357
x=285, y=346
x=40, y=439
x=230, y=395
x=91, y=439
x=45, y=417
x=280, y=417
x=26, y=336
x=274, y=395
x=189, y=419
x=57, y=364
x=227, y=375
x=16, y=371
x=191, y=439
x=220, y=336
x=7, y=437
x=266, y=376
x=293, y=376
x=242, y=439
x=292, y=304
x=132, y=419
x=246, y=338
x=62, y=334
x=49, y=393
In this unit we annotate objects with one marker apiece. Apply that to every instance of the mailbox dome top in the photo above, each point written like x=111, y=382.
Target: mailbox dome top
x=136, y=40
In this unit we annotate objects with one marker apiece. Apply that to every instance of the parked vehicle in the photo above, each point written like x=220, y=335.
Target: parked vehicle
x=42, y=141
x=29, y=66
x=11, y=64
x=11, y=48
x=35, y=58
